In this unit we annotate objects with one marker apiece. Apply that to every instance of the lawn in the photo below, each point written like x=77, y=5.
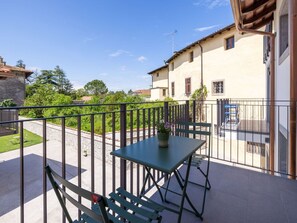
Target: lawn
x=12, y=142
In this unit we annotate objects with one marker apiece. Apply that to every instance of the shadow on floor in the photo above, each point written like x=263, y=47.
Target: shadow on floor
x=33, y=168
x=238, y=196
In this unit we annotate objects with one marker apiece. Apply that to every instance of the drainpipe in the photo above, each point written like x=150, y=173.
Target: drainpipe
x=201, y=78
x=293, y=84
x=237, y=14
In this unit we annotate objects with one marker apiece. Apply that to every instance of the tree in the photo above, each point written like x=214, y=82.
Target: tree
x=63, y=84
x=47, y=77
x=80, y=93
x=130, y=92
x=200, y=96
x=20, y=63
x=96, y=87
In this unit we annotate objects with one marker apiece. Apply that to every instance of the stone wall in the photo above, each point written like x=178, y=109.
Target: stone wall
x=54, y=133
x=13, y=88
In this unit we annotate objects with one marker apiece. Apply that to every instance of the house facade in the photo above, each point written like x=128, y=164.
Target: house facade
x=216, y=61
x=280, y=19
x=159, y=89
x=12, y=82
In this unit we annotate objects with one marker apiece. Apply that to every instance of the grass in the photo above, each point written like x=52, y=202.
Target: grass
x=12, y=142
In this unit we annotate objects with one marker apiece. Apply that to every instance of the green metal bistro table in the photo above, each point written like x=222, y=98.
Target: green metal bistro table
x=167, y=160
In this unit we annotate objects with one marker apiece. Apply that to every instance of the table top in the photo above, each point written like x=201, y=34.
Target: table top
x=148, y=153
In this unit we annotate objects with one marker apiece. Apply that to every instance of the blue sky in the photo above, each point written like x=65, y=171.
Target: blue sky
x=117, y=41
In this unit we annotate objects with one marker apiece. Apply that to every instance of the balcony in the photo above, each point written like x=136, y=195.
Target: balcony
x=242, y=190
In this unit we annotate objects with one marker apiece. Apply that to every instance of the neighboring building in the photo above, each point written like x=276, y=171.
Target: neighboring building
x=12, y=82
x=280, y=56
x=159, y=90
x=143, y=92
x=225, y=61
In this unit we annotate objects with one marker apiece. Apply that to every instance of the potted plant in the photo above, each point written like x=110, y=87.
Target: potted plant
x=164, y=129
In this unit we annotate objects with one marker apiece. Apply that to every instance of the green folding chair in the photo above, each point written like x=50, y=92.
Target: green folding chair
x=122, y=206
x=199, y=131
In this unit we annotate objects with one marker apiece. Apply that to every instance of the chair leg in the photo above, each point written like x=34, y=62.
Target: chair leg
x=208, y=183
x=208, y=186
x=168, y=182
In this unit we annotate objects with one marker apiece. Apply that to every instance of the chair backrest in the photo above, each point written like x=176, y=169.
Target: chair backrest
x=56, y=180
x=199, y=130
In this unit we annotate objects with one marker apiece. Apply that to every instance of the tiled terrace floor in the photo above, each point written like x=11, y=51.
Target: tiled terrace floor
x=241, y=196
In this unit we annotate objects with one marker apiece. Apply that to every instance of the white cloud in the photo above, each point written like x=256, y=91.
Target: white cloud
x=212, y=3
x=103, y=74
x=123, y=68
x=119, y=53
x=89, y=39
x=141, y=59
x=202, y=29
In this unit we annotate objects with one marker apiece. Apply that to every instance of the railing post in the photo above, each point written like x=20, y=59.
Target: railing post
x=123, y=143
x=187, y=110
x=166, y=111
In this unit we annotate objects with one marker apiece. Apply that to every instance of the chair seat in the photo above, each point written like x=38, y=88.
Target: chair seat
x=120, y=206
x=196, y=160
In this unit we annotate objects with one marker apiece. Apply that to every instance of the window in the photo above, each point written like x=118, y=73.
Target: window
x=164, y=92
x=188, y=86
x=256, y=148
x=191, y=57
x=283, y=29
x=218, y=87
x=172, y=66
x=157, y=74
x=172, y=89
x=229, y=43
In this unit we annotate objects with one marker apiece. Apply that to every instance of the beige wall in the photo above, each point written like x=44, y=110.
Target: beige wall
x=159, y=83
x=241, y=68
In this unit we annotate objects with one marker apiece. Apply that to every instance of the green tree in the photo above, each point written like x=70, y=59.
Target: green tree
x=63, y=84
x=20, y=64
x=47, y=77
x=80, y=93
x=96, y=87
x=200, y=96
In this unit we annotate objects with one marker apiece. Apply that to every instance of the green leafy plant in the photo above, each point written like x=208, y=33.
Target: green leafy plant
x=7, y=103
x=163, y=127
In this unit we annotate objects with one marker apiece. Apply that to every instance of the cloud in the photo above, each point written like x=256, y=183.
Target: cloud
x=119, y=53
x=212, y=3
x=89, y=39
x=141, y=59
x=123, y=68
x=103, y=74
x=202, y=29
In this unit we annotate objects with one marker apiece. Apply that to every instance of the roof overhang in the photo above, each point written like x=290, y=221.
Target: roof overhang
x=252, y=14
x=158, y=69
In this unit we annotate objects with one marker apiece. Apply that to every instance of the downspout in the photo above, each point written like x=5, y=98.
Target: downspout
x=293, y=84
x=237, y=14
x=201, y=66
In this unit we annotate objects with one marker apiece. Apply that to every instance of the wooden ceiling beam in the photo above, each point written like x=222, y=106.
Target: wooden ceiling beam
x=260, y=15
x=260, y=24
x=254, y=6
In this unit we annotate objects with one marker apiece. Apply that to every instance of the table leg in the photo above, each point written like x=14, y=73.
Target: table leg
x=184, y=192
x=156, y=184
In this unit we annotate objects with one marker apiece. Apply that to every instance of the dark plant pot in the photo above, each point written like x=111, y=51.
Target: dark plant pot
x=163, y=139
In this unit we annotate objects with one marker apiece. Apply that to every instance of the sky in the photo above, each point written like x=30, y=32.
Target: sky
x=116, y=41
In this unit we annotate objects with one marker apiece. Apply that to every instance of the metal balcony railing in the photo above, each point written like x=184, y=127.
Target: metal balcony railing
x=78, y=142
